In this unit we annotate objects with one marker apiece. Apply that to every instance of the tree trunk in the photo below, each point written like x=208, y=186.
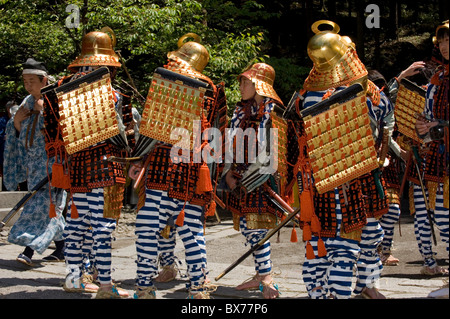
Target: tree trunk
x=309, y=12
x=393, y=20
x=443, y=10
x=331, y=9
x=377, y=52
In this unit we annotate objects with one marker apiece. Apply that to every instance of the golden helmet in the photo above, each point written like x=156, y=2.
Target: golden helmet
x=191, y=52
x=444, y=25
x=263, y=76
x=97, y=49
x=326, y=48
x=336, y=62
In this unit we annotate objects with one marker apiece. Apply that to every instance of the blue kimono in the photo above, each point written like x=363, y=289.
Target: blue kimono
x=25, y=162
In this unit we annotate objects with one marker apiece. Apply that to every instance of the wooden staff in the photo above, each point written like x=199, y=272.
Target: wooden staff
x=292, y=214
x=405, y=175
x=284, y=211
x=123, y=160
x=402, y=186
x=24, y=200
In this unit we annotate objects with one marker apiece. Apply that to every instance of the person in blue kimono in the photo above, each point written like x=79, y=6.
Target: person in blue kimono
x=25, y=159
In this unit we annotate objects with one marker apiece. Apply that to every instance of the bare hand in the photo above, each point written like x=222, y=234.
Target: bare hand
x=134, y=170
x=423, y=127
x=131, y=125
x=21, y=115
x=404, y=155
x=413, y=69
x=39, y=105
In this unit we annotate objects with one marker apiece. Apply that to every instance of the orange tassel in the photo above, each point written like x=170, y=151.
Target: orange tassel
x=307, y=235
x=321, y=250
x=66, y=181
x=294, y=235
x=180, y=219
x=315, y=224
x=211, y=210
x=309, y=251
x=204, y=180
x=57, y=175
x=59, y=178
x=73, y=211
x=52, y=213
x=306, y=206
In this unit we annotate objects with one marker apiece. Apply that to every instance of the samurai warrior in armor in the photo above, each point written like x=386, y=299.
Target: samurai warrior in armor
x=433, y=161
x=253, y=213
x=179, y=191
x=349, y=231
x=96, y=184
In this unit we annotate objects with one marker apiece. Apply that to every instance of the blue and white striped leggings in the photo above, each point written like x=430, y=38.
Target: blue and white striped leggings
x=422, y=228
x=151, y=219
x=369, y=265
x=78, y=239
x=388, y=222
x=261, y=256
x=167, y=249
x=331, y=275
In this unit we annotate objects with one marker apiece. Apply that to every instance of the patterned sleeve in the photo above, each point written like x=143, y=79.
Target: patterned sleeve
x=312, y=98
x=389, y=120
x=262, y=132
x=429, y=100
x=14, y=167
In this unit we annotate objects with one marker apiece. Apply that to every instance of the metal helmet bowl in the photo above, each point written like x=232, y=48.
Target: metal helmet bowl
x=97, y=49
x=192, y=52
x=335, y=59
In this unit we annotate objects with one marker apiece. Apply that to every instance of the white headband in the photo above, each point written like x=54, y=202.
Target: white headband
x=35, y=72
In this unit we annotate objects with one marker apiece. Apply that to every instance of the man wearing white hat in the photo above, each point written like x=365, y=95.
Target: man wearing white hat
x=26, y=160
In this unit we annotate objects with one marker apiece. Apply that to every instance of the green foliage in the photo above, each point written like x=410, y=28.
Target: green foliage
x=236, y=33
x=29, y=29
x=289, y=76
x=146, y=31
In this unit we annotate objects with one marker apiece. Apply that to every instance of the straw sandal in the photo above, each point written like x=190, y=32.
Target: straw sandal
x=269, y=290
x=434, y=271
x=202, y=291
x=87, y=282
x=111, y=292
x=84, y=285
x=167, y=274
x=145, y=292
x=372, y=293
